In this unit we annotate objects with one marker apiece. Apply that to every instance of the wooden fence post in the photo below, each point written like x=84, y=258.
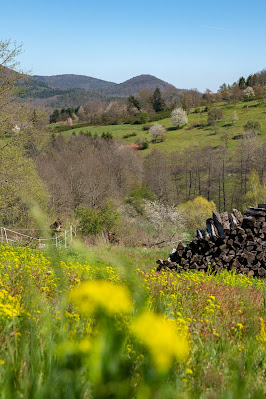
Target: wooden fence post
x=6, y=236
x=71, y=233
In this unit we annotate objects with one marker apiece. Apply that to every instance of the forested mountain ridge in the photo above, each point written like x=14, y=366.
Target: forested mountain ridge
x=141, y=82
x=70, y=90
x=72, y=81
x=129, y=87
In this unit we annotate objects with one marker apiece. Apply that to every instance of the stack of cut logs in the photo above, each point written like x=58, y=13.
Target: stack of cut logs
x=231, y=241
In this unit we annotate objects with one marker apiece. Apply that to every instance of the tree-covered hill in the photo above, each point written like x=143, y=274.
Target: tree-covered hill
x=75, y=90
x=71, y=81
x=134, y=85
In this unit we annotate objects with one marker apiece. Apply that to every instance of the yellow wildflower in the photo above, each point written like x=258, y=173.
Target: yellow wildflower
x=162, y=339
x=101, y=295
x=262, y=337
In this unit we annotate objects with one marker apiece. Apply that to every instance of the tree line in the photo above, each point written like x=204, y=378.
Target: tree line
x=151, y=105
x=87, y=171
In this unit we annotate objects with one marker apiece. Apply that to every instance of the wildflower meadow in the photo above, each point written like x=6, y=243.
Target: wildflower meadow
x=96, y=324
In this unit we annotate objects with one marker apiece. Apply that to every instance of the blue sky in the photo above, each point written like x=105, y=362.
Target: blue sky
x=191, y=44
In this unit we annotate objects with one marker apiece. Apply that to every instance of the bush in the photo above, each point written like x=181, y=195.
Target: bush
x=197, y=110
x=137, y=196
x=256, y=189
x=249, y=93
x=94, y=222
x=160, y=115
x=214, y=115
x=196, y=212
x=146, y=127
x=157, y=132
x=126, y=136
x=252, y=127
x=142, y=144
x=107, y=136
x=144, y=117
x=166, y=222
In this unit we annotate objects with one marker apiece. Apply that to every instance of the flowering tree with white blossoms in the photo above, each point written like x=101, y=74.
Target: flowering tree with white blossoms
x=249, y=92
x=157, y=132
x=179, y=117
x=166, y=220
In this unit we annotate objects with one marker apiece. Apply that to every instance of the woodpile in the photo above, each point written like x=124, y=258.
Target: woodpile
x=231, y=241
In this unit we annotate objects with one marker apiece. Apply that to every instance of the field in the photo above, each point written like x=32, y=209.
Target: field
x=203, y=135
x=101, y=323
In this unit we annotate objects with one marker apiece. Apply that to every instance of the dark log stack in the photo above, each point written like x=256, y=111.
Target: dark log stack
x=230, y=241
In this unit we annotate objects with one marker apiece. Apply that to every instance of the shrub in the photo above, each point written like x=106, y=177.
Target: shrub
x=234, y=117
x=144, y=117
x=252, y=127
x=249, y=93
x=137, y=196
x=256, y=189
x=157, y=132
x=146, y=127
x=107, y=136
x=196, y=212
x=93, y=221
x=165, y=221
x=197, y=110
x=126, y=136
x=142, y=144
x=160, y=115
x=214, y=115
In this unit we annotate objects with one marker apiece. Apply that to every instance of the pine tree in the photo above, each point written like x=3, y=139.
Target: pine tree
x=157, y=101
x=242, y=82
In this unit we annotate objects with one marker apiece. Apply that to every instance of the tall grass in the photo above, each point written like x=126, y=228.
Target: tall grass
x=103, y=324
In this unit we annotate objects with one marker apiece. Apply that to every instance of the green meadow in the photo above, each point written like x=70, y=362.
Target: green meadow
x=197, y=132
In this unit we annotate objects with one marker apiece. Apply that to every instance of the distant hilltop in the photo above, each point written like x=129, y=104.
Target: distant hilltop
x=130, y=87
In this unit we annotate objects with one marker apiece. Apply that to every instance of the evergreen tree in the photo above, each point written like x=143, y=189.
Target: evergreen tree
x=157, y=100
x=55, y=116
x=242, y=82
x=134, y=101
x=249, y=80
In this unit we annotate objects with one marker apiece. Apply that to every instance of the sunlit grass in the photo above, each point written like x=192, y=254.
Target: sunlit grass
x=102, y=323
x=202, y=136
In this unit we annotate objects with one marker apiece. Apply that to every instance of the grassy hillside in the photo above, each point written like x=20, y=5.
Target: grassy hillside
x=196, y=132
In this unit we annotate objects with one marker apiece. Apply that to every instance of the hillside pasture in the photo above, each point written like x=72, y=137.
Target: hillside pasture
x=197, y=132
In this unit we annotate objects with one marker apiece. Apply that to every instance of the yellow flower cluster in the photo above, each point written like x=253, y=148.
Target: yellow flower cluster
x=101, y=295
x=191, y=278
x=162, y=338
x=77, y=272
x=22, y=268
x=9, y=306
x=211, y=306
x=262, y=337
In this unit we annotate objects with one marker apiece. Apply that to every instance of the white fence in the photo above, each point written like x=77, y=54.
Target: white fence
x=59, y=239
